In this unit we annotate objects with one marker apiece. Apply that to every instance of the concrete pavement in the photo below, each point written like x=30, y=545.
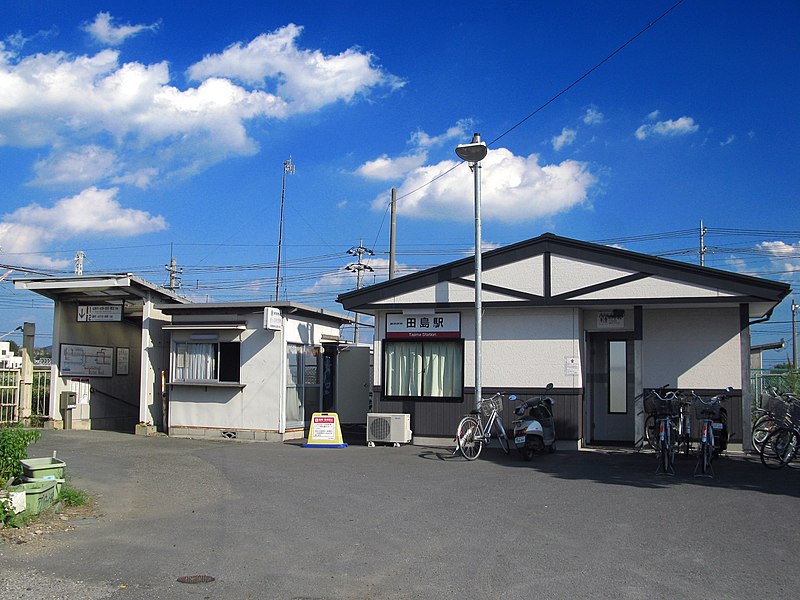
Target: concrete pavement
x=271, y=520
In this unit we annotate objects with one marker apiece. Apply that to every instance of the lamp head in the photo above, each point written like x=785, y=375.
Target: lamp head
x=473, y=152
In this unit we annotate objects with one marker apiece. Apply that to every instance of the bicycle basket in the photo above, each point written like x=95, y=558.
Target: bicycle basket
x=706, y=409
x=490, y=404
x=656, y=405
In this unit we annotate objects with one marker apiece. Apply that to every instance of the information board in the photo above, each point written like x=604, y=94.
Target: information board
x=86, y=361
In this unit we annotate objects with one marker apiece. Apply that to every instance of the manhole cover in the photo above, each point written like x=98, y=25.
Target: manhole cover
x=195, y=579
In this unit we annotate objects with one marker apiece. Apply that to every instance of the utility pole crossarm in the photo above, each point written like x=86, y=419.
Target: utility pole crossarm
x=359, y=268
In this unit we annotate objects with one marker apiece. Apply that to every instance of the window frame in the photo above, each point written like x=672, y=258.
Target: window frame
x=423, y=341
x=226, y=356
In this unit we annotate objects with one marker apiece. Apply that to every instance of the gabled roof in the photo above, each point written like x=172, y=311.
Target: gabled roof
x=555, y=271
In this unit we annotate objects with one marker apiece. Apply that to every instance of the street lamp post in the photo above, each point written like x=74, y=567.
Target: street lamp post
x=474, y=153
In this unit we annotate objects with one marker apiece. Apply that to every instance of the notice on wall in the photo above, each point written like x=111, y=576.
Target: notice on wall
x=85, y=361
x=572, y=366
x=123, y=361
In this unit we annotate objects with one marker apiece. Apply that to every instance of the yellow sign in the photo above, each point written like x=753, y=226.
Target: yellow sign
x=325, y=432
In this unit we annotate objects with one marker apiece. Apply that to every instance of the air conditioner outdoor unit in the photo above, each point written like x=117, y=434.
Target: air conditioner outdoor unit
x=392, y=428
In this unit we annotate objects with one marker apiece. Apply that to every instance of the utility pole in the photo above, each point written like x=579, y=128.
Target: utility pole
x=79, y=256
x=393, y=233
x=174, y=272
x=288, y=167
x=795, y=306
x=703, y=249
x=359, y=269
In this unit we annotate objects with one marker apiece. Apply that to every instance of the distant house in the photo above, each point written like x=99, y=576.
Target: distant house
x=8, y=360
x=601, y=323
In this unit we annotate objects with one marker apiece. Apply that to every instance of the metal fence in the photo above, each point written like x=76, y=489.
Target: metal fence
x=11, y=393
x=763, y=379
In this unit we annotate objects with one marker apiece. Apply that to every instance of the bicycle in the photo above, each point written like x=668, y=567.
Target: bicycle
x=708, y=413
x=665, y=410
x=472, y=434
x=683, y=439
x=772, y=412
x=781, y=446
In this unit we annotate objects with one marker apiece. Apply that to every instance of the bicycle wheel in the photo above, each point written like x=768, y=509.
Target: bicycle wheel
x=468, y=438
x=651, y=431
x=706, y=454
x=779, y=448
x=761, y=429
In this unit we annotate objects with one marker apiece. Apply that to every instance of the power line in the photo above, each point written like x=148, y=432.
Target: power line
x=556, y=96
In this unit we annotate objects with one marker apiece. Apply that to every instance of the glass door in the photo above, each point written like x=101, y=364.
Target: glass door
x=303, y=384
x=611, y=392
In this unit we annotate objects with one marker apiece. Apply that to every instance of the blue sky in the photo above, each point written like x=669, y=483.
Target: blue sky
x=139, y=131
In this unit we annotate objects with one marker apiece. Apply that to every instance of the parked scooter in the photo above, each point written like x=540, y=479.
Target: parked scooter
x=535, y=432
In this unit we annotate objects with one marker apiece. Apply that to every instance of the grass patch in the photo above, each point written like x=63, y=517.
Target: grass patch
x=71, y=496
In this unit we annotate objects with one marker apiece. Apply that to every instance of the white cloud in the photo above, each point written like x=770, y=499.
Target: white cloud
x=592, y=116
x=27, y=231
x=668, y=128
x=153, y=129
x=565, y=138
x=82, y=165
x=782, y=256
x=654, y=115
x=103, y=30
x=458, y=131
x=387, y=169
x=306, y=79
x=343, y=280
x=729, y=140
x=514, y=188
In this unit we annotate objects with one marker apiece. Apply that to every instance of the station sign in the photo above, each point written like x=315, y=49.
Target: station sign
x=430, y=325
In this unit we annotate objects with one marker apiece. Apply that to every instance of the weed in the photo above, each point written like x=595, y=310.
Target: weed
x=71, y=496
x=14, y=441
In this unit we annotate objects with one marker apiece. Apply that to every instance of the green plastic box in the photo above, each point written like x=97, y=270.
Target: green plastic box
x=38, y=468
x=45, y=479
x=38, y=496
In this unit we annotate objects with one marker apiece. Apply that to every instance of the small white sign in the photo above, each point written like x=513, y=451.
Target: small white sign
x=572, y=366
x=94, y=313
x=273, y=320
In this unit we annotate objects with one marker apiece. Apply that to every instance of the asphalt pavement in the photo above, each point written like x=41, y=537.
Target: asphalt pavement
x=272, y=520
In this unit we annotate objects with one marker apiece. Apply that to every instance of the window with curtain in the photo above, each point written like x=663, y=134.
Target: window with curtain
x=208, y=361
x=432, y=369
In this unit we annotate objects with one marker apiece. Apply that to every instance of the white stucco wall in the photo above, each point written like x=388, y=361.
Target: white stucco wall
x=524, y=348
x=521, y=347
x=691, y=348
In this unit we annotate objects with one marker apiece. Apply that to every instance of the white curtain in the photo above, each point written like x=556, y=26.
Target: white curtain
x=403, y=369
x=424, y=369
x=196, y=362
x=442, y=370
